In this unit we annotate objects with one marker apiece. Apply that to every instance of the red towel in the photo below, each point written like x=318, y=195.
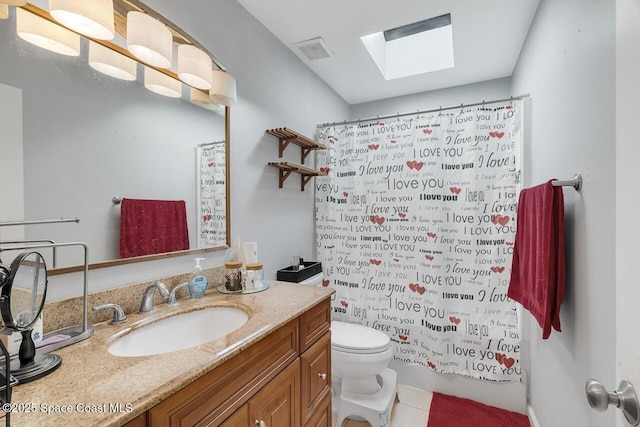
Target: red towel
x=152, y=227
x=452, y=411
x=538, y=265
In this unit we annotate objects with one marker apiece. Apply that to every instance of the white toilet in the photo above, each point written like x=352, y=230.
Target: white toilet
x=362, y=385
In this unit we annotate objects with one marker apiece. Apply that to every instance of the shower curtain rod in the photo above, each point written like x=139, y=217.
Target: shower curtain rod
x=433, y=110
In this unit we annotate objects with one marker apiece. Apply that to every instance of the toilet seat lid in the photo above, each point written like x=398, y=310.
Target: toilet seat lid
x=353, y=338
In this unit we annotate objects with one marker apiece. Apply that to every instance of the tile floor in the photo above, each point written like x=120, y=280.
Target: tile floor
x=410, y=410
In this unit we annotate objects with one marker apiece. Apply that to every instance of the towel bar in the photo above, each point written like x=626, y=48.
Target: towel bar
x=44, y=221
x=576, y=182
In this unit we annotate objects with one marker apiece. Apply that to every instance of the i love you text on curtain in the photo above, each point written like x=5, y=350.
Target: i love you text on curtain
x=415, y=225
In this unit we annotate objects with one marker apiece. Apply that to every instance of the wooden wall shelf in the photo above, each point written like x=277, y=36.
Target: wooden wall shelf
x=286, y=136
x=286, y=169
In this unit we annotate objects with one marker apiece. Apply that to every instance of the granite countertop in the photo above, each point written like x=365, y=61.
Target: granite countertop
x=91, y=384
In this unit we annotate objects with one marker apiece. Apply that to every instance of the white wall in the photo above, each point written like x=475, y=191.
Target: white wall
x=568, y=67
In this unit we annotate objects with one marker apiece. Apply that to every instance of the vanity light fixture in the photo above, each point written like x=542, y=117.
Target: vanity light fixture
x=223, y=88
x=92, y=18
x=201, y=99
x=162, y=84
x=194, y=66
x=112, y=63
x=149, y=40
x=46, y=34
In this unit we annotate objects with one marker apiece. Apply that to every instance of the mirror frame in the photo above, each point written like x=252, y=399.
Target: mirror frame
x=120, y=9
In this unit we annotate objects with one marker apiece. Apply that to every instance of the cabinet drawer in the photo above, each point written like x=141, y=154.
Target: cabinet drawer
x=316, y=375
x=314, y=323
x=278, y=404
x=218, y=394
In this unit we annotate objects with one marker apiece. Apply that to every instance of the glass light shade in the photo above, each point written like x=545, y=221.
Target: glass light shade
x=111, y=63
x=223, y=88
x=149, y=40
x=46, y=34
x=93, y=18
x=194, y=66
x=201, y=99
x=162, y=84
x=4, y=11
x=14, y=2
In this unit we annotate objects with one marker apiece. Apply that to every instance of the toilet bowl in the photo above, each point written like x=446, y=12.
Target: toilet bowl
x=362, y=385
x=358, y=354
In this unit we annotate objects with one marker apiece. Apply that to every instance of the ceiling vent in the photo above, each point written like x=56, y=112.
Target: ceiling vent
x=314, y=49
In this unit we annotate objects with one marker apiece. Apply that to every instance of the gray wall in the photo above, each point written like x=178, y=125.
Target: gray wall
x=275, y=89
x=568, y=66
x=11, y=165
x=627, y=154
x=449, y=97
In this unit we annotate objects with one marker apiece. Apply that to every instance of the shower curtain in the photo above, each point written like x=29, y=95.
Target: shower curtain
x=211, y=195
x=415, y=225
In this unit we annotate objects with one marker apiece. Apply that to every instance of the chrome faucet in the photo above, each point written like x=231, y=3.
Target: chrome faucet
x=146, y=305
x=172, y=297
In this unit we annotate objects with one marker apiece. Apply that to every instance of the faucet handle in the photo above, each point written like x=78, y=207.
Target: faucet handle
x=118, y=313
x=172, y=297
x=162, y=289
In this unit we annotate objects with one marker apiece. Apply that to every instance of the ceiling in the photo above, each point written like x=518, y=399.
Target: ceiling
x=487, y=38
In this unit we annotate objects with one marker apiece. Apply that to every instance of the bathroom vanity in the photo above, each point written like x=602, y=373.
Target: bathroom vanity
x=275, y=371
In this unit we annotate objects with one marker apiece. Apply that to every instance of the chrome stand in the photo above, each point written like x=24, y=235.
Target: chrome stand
x=31, y=365
x=74, y=333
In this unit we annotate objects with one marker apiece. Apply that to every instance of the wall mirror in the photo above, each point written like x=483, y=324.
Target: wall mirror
x=86, y=138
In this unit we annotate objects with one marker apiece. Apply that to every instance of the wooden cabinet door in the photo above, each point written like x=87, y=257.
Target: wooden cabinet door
x=217, y=395
x=316, y=376
x=278, y=404
x=239, y=419
x=322, y=416
x=314, y=323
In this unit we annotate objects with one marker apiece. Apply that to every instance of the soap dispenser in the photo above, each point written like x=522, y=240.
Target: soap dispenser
x=197, y=281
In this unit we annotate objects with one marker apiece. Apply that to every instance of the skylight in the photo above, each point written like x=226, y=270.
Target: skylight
x=416, y=48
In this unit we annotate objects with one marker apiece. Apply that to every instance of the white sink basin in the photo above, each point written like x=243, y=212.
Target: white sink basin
x=180, y=332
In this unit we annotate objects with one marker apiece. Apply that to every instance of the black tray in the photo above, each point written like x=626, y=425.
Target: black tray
x=292, y=274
